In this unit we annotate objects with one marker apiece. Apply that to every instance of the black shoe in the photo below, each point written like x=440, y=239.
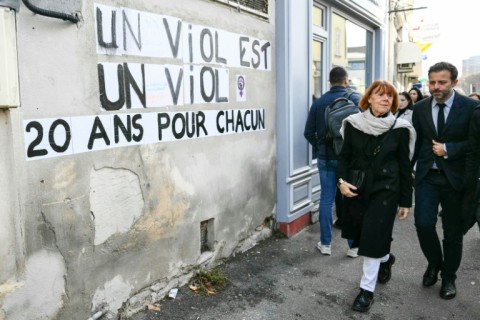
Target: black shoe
x=385, y=271
x=430, y=276
x=448, y=290
x=363, y=301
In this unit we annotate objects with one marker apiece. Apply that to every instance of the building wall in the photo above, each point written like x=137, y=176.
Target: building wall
x=471, y=66
x=124, y=150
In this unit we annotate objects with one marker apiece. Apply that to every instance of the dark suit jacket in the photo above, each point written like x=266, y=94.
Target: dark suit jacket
x=471, y=199
x=472, y=173
x=454, y=135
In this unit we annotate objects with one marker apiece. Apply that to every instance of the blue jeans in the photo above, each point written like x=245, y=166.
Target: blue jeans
x=328, y=184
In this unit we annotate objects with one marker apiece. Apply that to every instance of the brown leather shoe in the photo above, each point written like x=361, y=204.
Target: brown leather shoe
x=448, y=290
x=430, y=276
x=363, y=301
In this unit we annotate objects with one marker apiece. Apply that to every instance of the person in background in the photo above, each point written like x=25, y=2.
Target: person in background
x=416, y=94
x=441, y=123
x=377, y=143
x=326, y=156
x=404, y=106
x=474, y=95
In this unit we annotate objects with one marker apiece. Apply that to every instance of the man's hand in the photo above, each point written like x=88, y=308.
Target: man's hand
x=403, y=213
x=438, y=149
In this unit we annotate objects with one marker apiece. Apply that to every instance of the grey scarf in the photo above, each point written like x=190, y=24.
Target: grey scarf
x=369, y=124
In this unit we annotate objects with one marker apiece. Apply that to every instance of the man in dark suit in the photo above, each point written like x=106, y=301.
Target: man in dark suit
x=441, y=123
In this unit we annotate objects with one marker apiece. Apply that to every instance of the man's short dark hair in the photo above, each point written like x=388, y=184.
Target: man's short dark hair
x=337, y=76
x=445, y=66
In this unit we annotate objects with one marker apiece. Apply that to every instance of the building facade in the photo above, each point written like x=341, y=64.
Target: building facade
x=471, y=66
x=144, y=139
x=311, y=38
x=138, y=144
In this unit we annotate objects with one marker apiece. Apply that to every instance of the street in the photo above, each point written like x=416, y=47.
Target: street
x=289, y=279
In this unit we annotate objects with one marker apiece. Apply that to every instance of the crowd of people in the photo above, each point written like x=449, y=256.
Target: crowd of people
x=398, y=145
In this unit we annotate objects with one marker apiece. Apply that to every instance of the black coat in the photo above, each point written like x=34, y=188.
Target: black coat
x=472, y=171
x=369, y=217
x=471, y=200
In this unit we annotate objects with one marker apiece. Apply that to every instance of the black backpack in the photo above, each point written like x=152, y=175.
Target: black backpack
x=338, y=110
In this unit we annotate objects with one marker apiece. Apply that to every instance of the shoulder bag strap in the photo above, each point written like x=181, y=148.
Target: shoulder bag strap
x=378, y=148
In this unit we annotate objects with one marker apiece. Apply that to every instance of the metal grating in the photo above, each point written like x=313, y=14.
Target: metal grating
x=256, y=7
x=259, y=5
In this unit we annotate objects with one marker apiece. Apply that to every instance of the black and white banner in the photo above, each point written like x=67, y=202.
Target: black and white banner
x=54, y=137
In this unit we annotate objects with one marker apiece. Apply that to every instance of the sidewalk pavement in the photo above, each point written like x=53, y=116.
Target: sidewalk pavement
x=289, y=279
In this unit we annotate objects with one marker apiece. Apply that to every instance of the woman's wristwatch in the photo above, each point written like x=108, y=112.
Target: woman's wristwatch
x=339, y=182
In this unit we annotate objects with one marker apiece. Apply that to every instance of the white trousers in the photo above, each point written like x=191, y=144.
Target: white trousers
x=370, y=272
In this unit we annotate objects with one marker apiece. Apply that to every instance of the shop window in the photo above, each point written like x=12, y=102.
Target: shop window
x=352, y=47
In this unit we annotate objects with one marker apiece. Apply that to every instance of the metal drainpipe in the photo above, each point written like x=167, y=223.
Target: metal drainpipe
x=52, y=14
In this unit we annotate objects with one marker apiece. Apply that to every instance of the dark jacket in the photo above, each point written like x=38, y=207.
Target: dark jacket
x=369, y=217
x=315, y=126
x=454, y=135
x=471, y=200
x=472, y=167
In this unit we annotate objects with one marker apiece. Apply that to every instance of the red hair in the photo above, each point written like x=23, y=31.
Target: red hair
x=380, y=86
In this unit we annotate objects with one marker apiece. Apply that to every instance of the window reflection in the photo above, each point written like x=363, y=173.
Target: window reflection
x=349, y=50
x=317, y=69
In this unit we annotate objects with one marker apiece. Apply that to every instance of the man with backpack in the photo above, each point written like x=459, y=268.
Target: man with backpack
x=323, y=145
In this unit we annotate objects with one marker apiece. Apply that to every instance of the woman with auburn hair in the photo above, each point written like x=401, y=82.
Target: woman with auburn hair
x=375, y=177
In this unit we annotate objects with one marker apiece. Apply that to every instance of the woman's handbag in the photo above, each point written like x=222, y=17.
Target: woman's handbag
x=357, y=178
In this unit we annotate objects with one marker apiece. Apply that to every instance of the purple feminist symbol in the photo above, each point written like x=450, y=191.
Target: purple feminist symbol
x=241, y=84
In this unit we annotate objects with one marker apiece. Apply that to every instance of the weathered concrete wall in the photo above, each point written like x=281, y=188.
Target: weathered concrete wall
x=109, y=217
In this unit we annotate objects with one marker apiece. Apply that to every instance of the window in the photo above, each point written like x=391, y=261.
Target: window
x=356, y=65
x=352, y=49
x=317, y=69
x=317, y=16
x=320, y=36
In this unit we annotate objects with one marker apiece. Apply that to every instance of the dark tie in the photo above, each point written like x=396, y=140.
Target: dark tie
x=440, y=118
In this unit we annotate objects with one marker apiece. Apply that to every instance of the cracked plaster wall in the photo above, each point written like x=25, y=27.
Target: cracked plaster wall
x=102, y=227
x=8, y=218
x=41, y=292
x=116, y=201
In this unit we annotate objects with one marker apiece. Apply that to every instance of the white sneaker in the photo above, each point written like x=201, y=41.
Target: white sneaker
x=324, y=249
x=352, y=252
